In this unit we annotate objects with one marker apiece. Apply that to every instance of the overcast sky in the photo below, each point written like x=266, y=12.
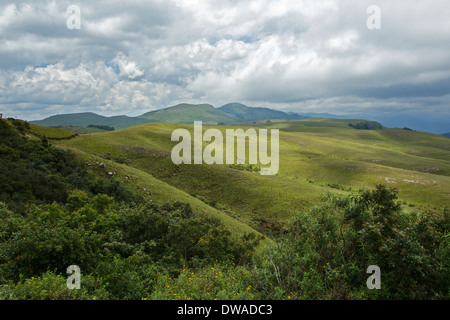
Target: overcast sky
x=130, y=57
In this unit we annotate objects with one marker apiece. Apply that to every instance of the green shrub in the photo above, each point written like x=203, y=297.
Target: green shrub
x=216, y=282
x=326, y=252
x=51, y=286
x=131, y=278
x=125, y=247
x=34, y=171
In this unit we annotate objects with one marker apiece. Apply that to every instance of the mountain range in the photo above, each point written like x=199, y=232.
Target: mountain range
x=238, y=113
x=181, y=113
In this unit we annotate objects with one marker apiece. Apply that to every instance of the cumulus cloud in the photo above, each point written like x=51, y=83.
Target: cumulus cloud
x=127, y=69
x=293, y=55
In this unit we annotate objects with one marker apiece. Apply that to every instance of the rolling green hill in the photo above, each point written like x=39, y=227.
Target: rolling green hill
x=81, y=130
x=88, y=118
x=188, y=113
x=27, y=180
x=52, y=133
x=316, y=156
x=141, y=227
x=246, y=114
x=182, y=113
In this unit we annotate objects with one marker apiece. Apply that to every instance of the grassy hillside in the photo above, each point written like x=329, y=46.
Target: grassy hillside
x=153, y=190
x=142, y=182
x=52, y=133
x=316, y=156
x=59, y=207
x=142, y=228
x=188, y=113
x=81, y=130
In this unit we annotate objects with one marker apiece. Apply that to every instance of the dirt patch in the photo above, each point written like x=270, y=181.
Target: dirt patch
x=390, y=180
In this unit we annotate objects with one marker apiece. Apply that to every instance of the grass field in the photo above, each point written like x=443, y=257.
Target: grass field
x=143, y=227
x=316, y=156
x=82, y=130
x=154, y=190
x=52, y=133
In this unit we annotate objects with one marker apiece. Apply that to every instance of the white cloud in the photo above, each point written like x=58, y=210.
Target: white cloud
x=128, y=69
x=287, y=54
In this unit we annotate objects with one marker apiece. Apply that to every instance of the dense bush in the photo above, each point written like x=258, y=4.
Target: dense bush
x=101, y=127
x=326, y=252
x=218, y=282
x=34, y=171
x=54, y=214
x=126, y=248
x=50, y=286
x=366, y=125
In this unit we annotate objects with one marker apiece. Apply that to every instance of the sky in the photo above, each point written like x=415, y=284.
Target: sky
x=131, y=57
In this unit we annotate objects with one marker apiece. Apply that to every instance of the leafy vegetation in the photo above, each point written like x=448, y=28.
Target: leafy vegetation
x=316, y=156
x=121, y=247
x=34, y=170
x=325, y=253
x=146, y=229
x=366, y=125
x=101, y=127
x=166, y=252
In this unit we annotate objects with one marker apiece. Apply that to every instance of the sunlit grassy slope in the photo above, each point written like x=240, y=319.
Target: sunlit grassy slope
x=316, y=156
x=51, y=133
x=156, y=191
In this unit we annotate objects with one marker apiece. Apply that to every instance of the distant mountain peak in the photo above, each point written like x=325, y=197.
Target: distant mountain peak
x=247, y=114
x=188, y=113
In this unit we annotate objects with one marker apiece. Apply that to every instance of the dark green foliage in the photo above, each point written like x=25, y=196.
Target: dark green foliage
x=366, y=125
x=402, y=245
x=101, y=127
x=125, y=247
x=33, y=170
x=53, y=213
x=19, y=124
x=326, y=252
x=56, y=214
x=50, y=286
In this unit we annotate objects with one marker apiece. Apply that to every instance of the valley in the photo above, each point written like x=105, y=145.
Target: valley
x=348, y=193
x=317, y=156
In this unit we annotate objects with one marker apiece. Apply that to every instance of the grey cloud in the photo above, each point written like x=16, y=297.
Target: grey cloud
x=290, y=55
